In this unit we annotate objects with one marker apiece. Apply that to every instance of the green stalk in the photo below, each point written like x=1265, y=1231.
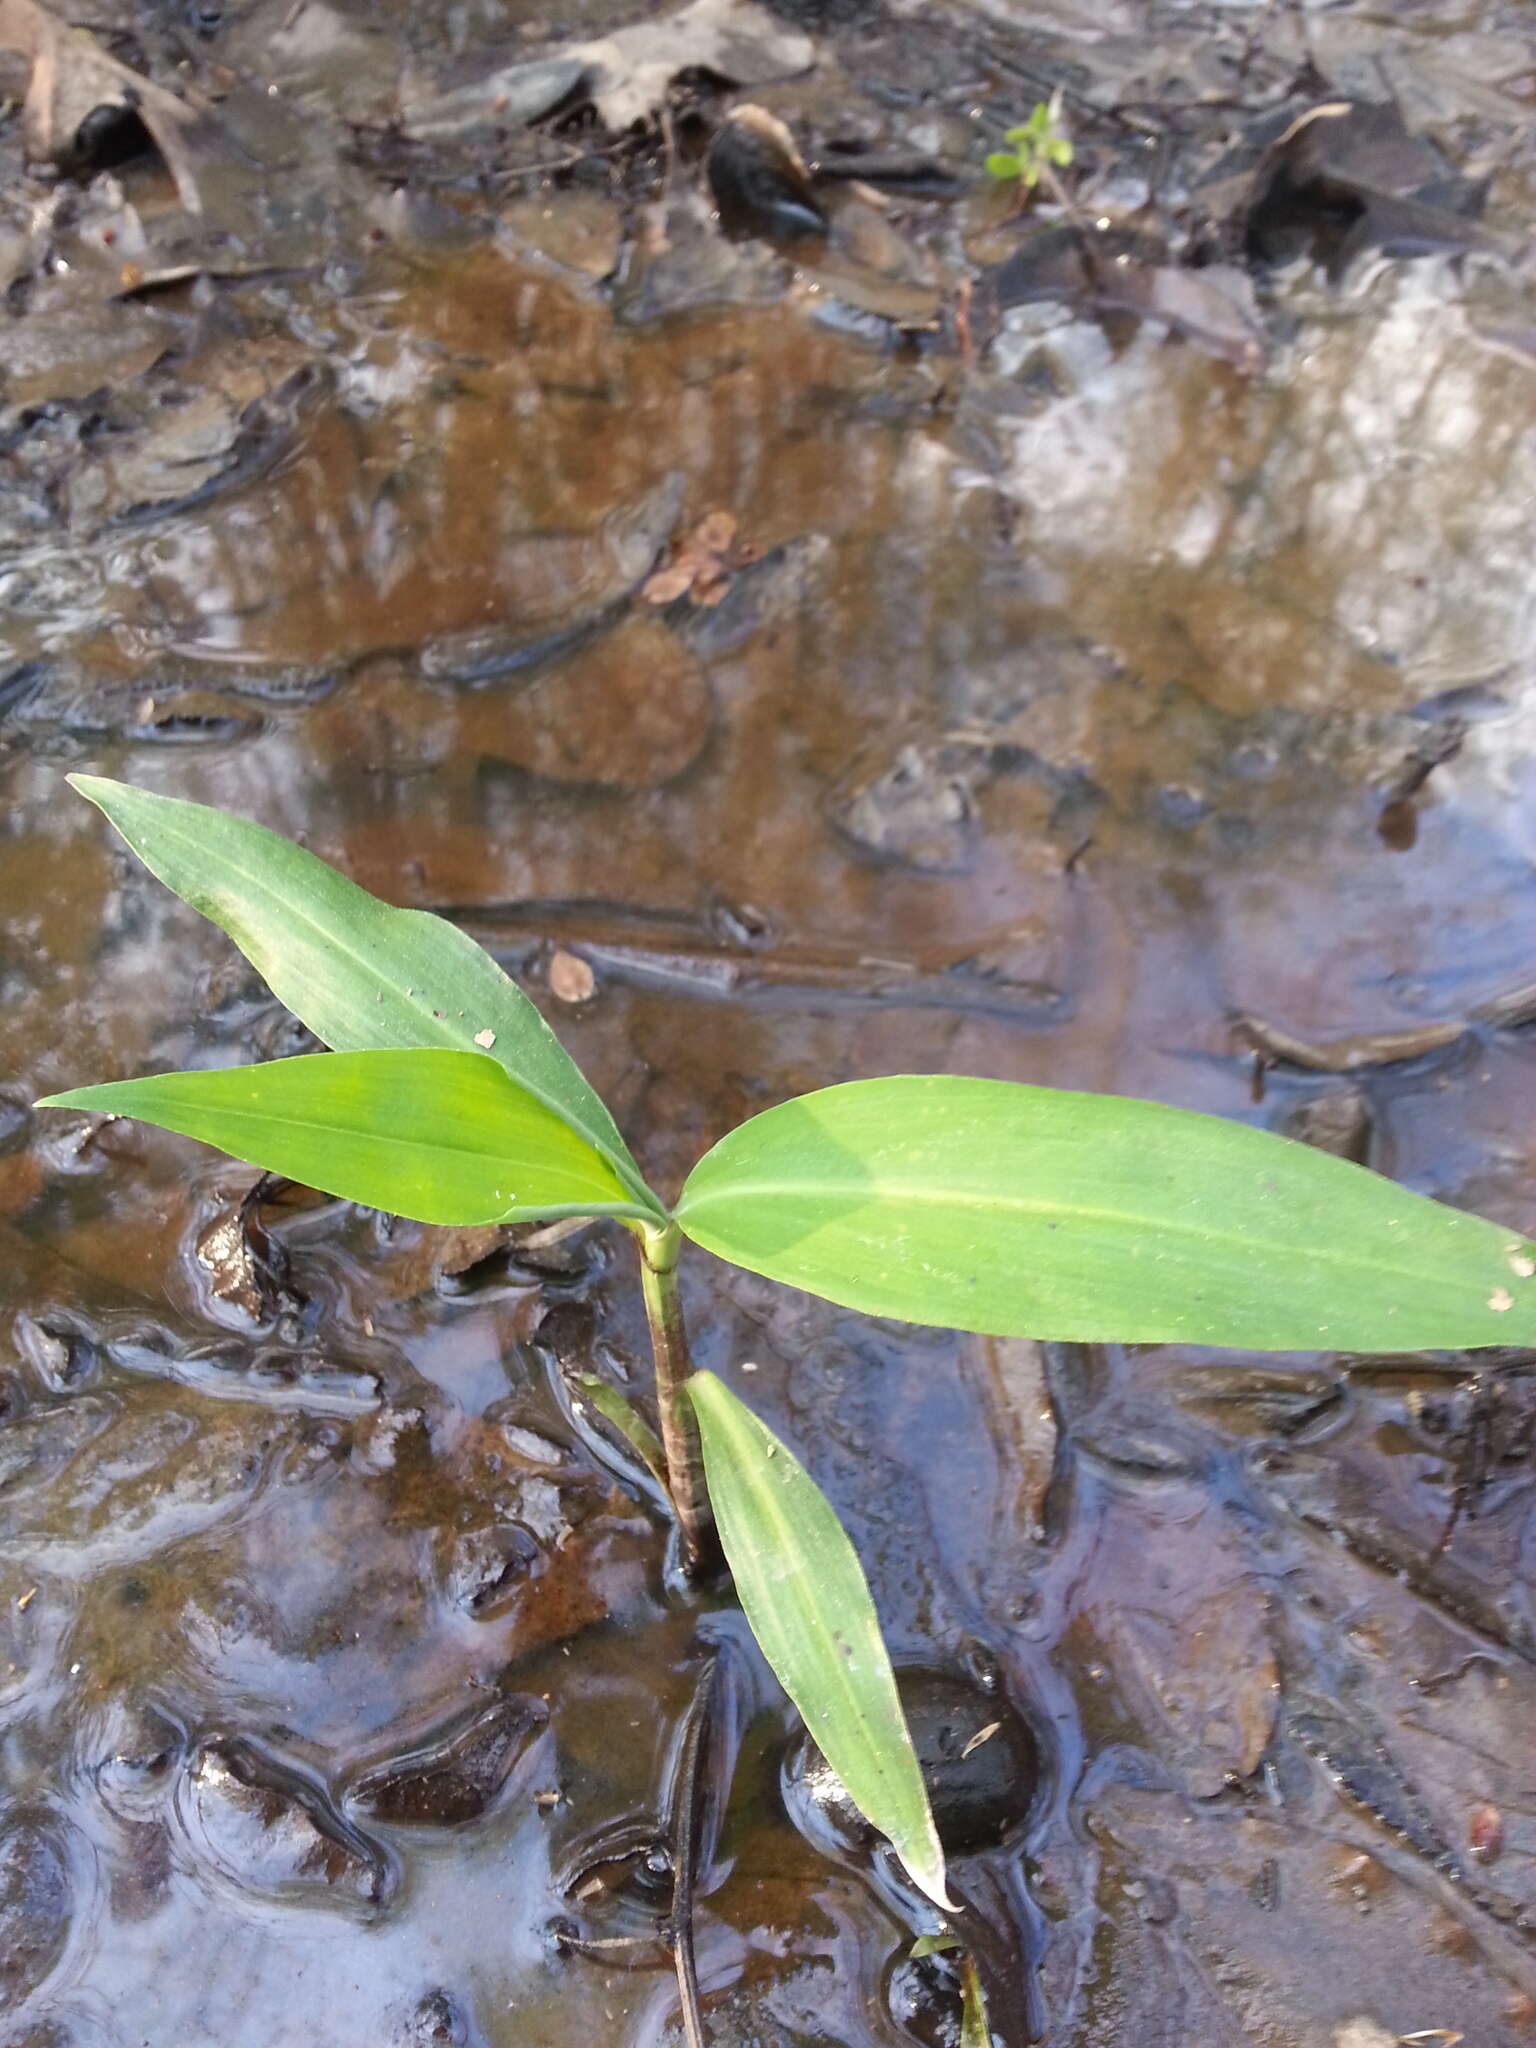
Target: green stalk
x=659, y=1251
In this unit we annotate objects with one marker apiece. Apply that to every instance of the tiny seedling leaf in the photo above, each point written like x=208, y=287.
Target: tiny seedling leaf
x=975, y=2030
x=447, y=1137
x=1020, y=1211
x=1003, y=164
x=361, y=974
x=804, y=1592
x=629, y=1422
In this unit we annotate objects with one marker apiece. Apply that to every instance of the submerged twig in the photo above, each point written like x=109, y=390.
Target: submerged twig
x=686, y=1791
x=1348, y=1055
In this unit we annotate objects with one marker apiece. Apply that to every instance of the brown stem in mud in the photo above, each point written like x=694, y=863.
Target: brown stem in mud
x=679, y=1428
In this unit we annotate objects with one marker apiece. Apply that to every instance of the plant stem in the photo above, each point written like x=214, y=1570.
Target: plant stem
x=679, y=1429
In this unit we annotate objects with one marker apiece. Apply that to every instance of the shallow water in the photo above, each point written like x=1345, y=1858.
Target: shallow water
x=1087, y=695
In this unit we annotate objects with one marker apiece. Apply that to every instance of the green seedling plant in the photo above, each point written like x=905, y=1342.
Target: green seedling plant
x=1035, y=149
x=972, y=1204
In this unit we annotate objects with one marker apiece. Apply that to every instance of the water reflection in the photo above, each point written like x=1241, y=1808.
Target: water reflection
x=1051, y=728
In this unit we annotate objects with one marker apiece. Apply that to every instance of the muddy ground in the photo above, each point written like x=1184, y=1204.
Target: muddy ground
x=1109, y=660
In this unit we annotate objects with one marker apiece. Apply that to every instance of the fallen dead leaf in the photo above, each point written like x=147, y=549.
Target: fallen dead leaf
x=701, y=567
x=982, y=1735
x=735, y=39
x=571, y=979
x=626, y=75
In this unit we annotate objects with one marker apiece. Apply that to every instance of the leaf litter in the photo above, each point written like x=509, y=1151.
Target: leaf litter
x=702, y=565
x=73, y=77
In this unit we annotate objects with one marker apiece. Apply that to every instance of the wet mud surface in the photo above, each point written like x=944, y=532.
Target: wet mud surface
x=1086, y=645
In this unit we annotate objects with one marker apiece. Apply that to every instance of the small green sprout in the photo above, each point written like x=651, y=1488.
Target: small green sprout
x=1036, y=147
x=998, y=1207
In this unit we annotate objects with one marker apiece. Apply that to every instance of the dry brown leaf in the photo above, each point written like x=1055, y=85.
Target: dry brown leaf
x=571, y=979
x=627, y=74
x=673, y=581
x=701, y=567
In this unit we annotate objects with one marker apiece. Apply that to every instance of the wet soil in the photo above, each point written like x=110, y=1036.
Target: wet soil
x=1119, y=674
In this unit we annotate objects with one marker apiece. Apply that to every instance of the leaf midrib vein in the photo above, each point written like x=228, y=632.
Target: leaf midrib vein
x=924, y=1198
x=393, y=1142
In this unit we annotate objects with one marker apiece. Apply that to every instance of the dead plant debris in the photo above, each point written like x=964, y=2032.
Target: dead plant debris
x=702, y=565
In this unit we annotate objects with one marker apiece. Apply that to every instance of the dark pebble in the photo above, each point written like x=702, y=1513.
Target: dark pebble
x=981, y=1784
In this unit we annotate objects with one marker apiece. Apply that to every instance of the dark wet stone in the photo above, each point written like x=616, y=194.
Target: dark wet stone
x=34, y=1907
x=274, y=1833
x=437, y=2022
x=758, y=180
x=455, y=1775
x=108, y=137
x=979, y=1758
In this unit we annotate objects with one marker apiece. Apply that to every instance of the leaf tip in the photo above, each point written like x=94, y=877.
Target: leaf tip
x=68, y=1098
x=931, y=1880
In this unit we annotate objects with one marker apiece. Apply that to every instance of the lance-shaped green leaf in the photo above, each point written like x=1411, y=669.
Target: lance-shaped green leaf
x=447, y=1137
x=975, y=2032
x=803, y=1590
x=1019, y=1211
x=630, y=1424
x=974, y=2029
x=361, y=974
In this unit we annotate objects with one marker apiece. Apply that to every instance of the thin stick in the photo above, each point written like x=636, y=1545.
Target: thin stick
x=679, y=1428
x=685, y=1843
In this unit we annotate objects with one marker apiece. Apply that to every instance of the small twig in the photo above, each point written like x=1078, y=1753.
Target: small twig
x=569, y=161
x=548, y=1234
x=965, y=340
x=669, y=152
x=686, y=1789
